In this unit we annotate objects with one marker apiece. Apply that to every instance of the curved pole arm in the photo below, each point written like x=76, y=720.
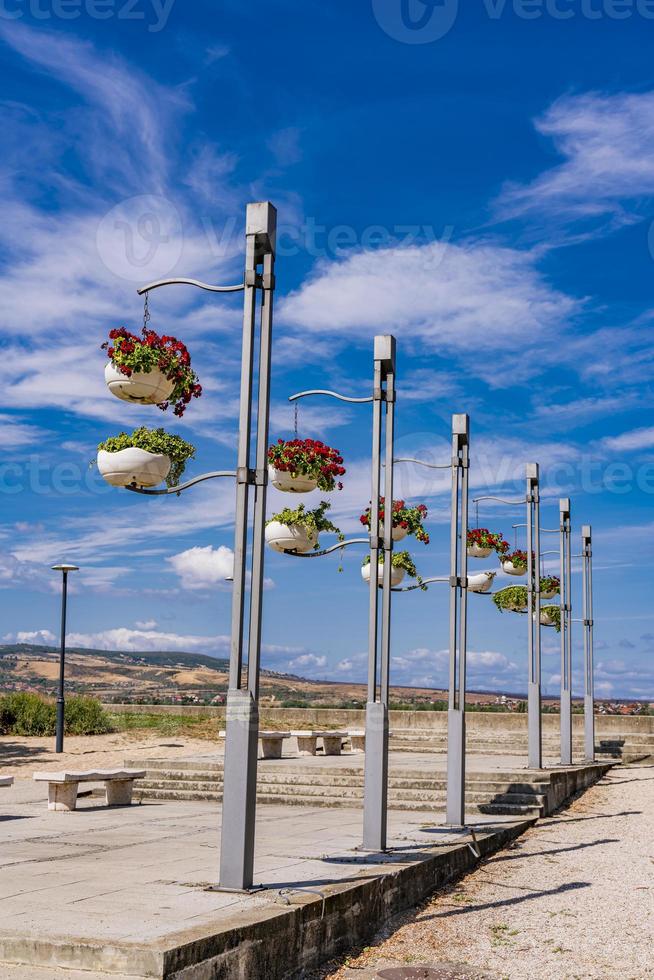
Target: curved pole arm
x=425, y=582
x=543, y=530
x=182, y=486
x=327, y=551
x=430, y=466
x=500, y=500
x=190, y=282
x=332, y=394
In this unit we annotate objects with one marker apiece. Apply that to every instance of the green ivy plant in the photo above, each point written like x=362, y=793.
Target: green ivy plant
x=400, y=559
x=513, y=597
x=314, y=521
x=155, y=441
x=554, y=612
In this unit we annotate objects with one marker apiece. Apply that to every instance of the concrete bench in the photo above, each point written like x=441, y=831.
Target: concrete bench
x=332, y=742
x=307, y=742
x=271, y=743
x=62, y=786
x=6, y=780
x=358, y=740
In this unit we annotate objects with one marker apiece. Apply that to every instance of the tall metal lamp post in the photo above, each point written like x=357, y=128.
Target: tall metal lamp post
x=589, y=683
x=566, y=633
x=64, y=569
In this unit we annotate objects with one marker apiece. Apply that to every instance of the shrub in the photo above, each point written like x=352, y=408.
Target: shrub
x=31, y=714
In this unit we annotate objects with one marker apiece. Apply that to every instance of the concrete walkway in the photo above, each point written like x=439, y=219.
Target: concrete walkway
x=573, y=898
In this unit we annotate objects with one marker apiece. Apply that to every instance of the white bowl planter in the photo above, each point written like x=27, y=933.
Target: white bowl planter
x=474, y=551
x=546, y=619
x=399, y=533
x=133, y=465
x=145, y=389
x=549, y=595
x=397, y=574
x=294, y=537
x=509, y=569
x=301, y=483
x=481, y=582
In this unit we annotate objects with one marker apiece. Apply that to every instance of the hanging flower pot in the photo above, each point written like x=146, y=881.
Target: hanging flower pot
x=481, y=582
x=406, y=520
x=514, y=563
x=302, y=465
x=145, y=458
x=145, y=388
x=401, y=563
x=482, y=543
x=150, y=370
x=511, y=599
x=551, y=616
x=298, y=530
x=550, y=586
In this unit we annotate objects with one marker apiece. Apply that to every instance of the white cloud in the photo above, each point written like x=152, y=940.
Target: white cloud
x=135, y=640
x=45, y=637
x=474, y=294
x=148, y=624
x=200, y=568
x=636, y=439
x=607, y=145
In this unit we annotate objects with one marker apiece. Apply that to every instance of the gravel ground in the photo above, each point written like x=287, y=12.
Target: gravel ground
x=573, y=899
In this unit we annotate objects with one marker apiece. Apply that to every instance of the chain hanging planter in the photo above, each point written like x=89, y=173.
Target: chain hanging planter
x=511, y=599
x=405, y=520
x=298, y=530
x=145, y=458
x=303, y=465
x=150, y=370
x=514, y=563
x=551, y=616
x=482, y=543
x=550, y=586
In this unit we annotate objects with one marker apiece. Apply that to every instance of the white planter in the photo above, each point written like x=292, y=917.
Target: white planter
x=145, y=389
x=517, y=608
x=282, y=480
x=481, y=582
x=133, y=466
x=474, y=551
x=546, y=619
x=397, y=574
x=509, y=568
x=548, y=595
x=281, y=537
x=399, y=533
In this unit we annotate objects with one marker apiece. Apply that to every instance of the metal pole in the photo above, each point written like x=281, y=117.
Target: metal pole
x=59, y=747
x=375, y=799
x=566, y=635
x=589, y=685
x=456, y=736
x=242, y=723
x=535, y=737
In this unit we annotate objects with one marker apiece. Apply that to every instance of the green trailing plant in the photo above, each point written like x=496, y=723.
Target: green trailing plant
x=314, y=521
x=403, y=560
x=554, y=613
x=409, y=518
x=155, y=441
x=513, y=597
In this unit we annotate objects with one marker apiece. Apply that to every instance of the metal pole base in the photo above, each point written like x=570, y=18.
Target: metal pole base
x=535, y=727
x=589, y=728
x=566, y=728
x=239, y=792
x=455, y=813
x=59, y=746
x=375, y=778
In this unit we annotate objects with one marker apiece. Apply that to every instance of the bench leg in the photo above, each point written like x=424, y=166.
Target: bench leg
x=306, y=744
x=358, y=743
x=119, y=792
x=62, y=796
x=271, y=748
x=332, y=744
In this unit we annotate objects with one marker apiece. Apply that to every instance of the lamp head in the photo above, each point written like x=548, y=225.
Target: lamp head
x=65, y=568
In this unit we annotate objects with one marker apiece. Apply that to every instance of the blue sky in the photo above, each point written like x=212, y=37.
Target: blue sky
x=481, y=186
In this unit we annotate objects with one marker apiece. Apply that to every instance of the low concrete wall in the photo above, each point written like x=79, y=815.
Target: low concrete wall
x=477, y=722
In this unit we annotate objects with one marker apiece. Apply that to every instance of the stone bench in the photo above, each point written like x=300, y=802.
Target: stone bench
x=358, y=740
x=6, y=780
x=271, y=743
x=62, y=786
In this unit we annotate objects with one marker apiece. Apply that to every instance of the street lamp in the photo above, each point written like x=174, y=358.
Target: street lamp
x=64, y=569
